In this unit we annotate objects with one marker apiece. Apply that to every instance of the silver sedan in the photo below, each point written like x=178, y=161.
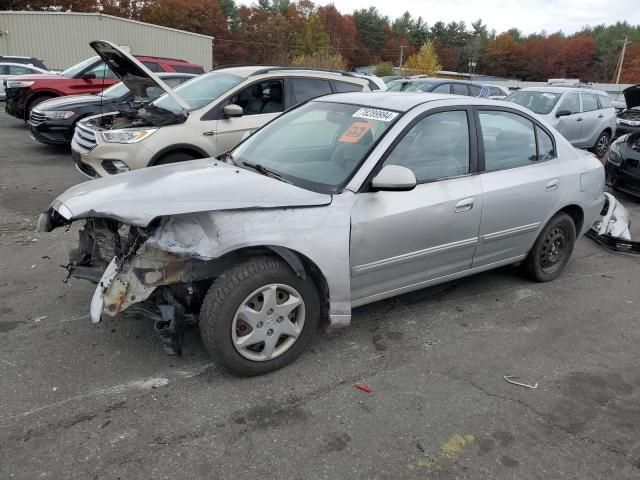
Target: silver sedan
x=343, y=201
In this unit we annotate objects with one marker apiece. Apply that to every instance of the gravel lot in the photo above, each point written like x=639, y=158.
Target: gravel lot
x=84, y=401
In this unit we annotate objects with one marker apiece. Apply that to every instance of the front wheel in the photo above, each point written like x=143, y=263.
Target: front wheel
x=258, y=316
x=602, y=144
x=552, y=250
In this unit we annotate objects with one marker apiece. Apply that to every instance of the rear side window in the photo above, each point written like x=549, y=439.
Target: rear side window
x=571, y=104
x=496, y=92
x=475, y=90
x=154, y=67
x=460, y=89
x=307, y=88
x=4, y=69
x=344, y=87
x=546, y=149
x=444, y=88
x=589, y=102
x=605, y=101
x=509, y=140
x=187, y=69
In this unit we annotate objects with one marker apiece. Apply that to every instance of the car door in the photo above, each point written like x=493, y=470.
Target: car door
x=95, y=79
x=400, y=240
x=521, y=186
x=570, y=126
x=261, y=102
x=592, y=124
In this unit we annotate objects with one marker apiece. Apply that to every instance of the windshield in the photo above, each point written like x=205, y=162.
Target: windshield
x=397, y=85
x=78, y=67
x=115, y=91
x=418, y=87
x=317, y=146
x=200, y=91
x=537, y=102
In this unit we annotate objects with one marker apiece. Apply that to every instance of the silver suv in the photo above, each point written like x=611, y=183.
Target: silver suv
x=202, y=118
x=585, y=117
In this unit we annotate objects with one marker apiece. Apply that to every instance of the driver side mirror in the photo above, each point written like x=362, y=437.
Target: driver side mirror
x=563, y=113
x=394, y=178
x=89, y=76
x=232, y=110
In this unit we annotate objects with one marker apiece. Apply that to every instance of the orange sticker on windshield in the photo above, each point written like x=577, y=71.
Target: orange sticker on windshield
x=356, y=131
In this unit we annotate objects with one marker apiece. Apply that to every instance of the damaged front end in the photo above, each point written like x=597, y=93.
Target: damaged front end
x=130, y=275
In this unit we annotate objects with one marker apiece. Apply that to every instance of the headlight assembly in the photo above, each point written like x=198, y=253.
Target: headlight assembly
x=19, y=83
x=614, y=157
x=55, y=115
x=127, y=136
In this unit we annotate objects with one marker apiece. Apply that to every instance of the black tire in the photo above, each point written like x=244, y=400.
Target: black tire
x=542, y=264
x=227, y=294
x=36, y=101
x=601, y=147
x=175, y=157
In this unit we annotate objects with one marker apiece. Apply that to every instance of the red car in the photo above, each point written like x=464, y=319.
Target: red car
x=89, y=76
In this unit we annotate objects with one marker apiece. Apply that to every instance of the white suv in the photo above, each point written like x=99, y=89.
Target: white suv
x=202, y=118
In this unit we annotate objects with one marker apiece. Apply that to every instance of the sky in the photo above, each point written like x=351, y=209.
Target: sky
x=529, y=16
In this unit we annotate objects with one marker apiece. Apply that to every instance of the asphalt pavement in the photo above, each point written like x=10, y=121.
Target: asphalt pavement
x=84, y=401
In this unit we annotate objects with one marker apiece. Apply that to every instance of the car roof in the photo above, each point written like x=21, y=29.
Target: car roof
x=246, y=71
x=562, y=90
x=398, y=101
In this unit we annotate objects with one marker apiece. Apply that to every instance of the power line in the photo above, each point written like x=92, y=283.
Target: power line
x=394, y=50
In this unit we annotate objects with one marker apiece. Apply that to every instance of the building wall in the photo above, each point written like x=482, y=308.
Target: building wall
x=62, y=39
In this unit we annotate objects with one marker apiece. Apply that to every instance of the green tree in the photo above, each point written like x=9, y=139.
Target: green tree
x=425, y=61
x=313, y=37
x=371, y=25
x=321, y=59
x=384, y=69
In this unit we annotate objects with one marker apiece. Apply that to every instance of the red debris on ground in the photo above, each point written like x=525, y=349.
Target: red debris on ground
x=364, y=388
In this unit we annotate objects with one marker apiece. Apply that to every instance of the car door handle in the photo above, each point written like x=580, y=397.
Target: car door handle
x=208, y=134
x=552, y=185
x=465, y=205
x=579, y=119
x=600, y=116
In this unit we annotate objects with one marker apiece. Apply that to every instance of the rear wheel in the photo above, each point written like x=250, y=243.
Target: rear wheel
x=258, y=316
x=602, y=144
x=175, y=157
x=552, y=250
x=34, y=102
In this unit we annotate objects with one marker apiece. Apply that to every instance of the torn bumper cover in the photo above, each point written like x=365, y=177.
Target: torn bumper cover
x=611, y=229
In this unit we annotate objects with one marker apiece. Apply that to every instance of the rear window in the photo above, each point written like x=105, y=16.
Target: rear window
x=188, y=69
x=344, y=87
x=496, y=92
x=459, y=89
x=475, y=90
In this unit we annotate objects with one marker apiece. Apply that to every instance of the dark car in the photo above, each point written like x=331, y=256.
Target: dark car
x=435, y=85
x=628, y=120
x=623, y=164
x=24, y=92
x=36, y=62
x=53, y=122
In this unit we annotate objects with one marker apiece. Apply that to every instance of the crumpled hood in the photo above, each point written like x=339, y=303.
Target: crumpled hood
x=137, y=197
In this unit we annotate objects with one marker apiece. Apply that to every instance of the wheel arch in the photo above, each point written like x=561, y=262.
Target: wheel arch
x=197, y=152
x=301, y=265
x=577, y=215
x=37, y=94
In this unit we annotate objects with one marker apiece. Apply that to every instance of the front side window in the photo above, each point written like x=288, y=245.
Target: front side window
x=16, y=70
x=571, y=104
x=263, y=97
x=116, y=91
x=307, y=88
x=589, y=102
x=509, y=140
x=436, y=147
x=101, y=71
x=317, y=146
x=496, y=92
x=200, y=91
x=79, y=67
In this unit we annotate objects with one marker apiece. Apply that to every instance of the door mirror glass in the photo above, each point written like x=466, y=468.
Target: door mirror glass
x=394, y=178
x=563, y=113
x=233, y=110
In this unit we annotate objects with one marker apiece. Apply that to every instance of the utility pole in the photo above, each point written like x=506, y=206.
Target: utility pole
x=401, y=59
x=624, y=48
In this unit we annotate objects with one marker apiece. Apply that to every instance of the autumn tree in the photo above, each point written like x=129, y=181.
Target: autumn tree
x=312, y=38
x=574, y=59
x=502, y=56
x=425, y=61
x=343, y=35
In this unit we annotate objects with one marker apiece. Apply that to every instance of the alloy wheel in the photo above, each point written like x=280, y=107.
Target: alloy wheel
x=602, y=145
